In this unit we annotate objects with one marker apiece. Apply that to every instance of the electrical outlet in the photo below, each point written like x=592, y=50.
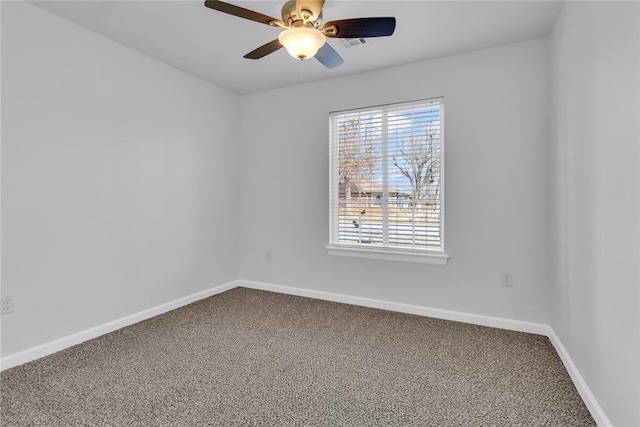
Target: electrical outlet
x=6, y=304
x=507, y=279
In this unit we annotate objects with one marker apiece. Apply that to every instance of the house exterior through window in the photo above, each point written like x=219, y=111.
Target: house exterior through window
x=387, y=176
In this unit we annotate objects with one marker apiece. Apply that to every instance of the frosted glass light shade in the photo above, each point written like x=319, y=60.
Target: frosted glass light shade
x=302, y=43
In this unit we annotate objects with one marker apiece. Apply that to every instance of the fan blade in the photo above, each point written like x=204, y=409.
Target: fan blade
x=264, y=50
x=241, y=12
x=360, y=28
x=313, y=6
x=328, y=56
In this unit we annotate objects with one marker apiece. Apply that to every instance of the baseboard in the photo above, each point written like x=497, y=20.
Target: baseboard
x=589, y=399
x=458, y=316
x=54, y=346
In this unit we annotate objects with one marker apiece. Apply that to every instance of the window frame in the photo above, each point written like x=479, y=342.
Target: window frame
x=390, y=253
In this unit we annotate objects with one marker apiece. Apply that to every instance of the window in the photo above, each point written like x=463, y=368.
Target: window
x=387, y=171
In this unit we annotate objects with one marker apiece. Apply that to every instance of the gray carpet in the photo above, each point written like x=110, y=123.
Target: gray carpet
x=255, y=358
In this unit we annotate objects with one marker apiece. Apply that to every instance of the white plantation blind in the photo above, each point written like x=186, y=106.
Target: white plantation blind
x=386, y=168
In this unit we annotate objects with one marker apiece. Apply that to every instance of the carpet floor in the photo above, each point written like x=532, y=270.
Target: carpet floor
x=255, y=358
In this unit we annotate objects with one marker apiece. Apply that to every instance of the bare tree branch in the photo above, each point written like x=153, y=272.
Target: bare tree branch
x=356, y=161
x=418, y=159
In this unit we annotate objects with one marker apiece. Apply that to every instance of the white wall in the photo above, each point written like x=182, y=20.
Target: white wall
x=596, y=198
x=118, y=180
x=496, y=138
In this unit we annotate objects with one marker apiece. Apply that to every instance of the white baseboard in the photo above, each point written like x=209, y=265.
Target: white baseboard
x=589, y=399
x=458, y=316
x=477, y=319
x=54, y=346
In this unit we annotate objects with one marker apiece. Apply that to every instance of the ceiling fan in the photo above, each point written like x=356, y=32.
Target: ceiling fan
x=304, y=36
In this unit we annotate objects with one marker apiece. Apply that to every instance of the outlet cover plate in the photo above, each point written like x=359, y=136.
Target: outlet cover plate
x=507, y=279
x=6, y=304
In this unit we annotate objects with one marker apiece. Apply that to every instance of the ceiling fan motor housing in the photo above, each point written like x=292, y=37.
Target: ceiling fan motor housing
x=303, y=18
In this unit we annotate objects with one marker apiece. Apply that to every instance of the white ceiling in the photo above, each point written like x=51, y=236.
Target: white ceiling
x=210, y=45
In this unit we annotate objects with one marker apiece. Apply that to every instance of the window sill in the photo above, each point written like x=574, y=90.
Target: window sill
x=388, y=254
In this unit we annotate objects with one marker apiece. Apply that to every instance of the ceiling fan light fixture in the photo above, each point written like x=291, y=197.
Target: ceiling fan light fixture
x=302, y=42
